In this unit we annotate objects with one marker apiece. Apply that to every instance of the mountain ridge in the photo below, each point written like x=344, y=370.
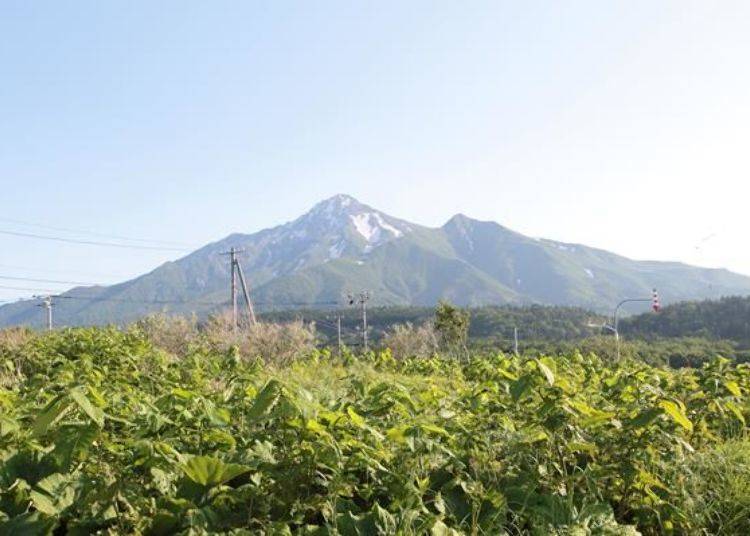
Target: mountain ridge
x=343, y=245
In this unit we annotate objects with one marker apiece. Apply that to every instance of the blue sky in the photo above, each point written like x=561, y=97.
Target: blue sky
x=618, y=125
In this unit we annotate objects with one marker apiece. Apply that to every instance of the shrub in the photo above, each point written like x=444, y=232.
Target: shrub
x=173, y=334
x=407, y=340
x=275, y=343
x=12, y=340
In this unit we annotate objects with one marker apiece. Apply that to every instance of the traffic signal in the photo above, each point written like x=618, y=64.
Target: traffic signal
x=655, y=305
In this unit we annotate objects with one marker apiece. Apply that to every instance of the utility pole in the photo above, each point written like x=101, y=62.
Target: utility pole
x=515, y=340
x=233, y=260
x=233, y=284
x=236, y=270
x=361, y=300
x=47, y=303
x=338, y=329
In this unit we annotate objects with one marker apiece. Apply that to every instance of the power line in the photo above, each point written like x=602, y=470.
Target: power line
x=166, y=302
x=56, y=271
x=90, y=242
x=297, y=304
x=92, y=233
x=97, y=299
x=57, y=281
x=28, y=289
x=142, y=302
x=147, y=302
x=334, y=325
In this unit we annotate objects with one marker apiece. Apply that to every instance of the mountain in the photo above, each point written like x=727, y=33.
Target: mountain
x=343, y=245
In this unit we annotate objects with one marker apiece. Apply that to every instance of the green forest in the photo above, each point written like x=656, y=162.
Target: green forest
x=681, y=334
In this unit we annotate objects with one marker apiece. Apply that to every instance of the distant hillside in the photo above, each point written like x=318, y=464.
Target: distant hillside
x=727, y=318
x=343, y=245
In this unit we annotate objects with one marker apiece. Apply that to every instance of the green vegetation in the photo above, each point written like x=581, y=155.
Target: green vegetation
x=727, y=318
x=542, y=330
x=164, y=429
x=488, y=325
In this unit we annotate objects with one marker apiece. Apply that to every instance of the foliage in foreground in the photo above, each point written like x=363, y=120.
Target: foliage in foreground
x=100, y=431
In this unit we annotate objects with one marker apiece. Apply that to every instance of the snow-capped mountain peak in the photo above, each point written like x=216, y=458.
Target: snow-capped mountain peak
x=345, y=216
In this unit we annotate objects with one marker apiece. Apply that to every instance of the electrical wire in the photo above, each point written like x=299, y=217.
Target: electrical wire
x=28, y=289
x=90, y=242
x=56, y=281
x=92, y=233
x=59, y=271
x=142, y=302
x=297, y=304
x=344, y=329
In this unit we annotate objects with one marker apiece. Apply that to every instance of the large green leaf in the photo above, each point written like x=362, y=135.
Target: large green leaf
x=733, y=387
x=677, y=414
x=54, y=494
x=209, y=472
x=520, y=387
x=644, y=418
x=78, y=395
x=545, y=367
x=265, y=400
x=30, y=524
x=53, y=411
x=72, y=443
x=8, y=425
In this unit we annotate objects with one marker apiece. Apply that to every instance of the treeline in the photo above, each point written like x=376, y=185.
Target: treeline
x=490, y=324
x=724, y=319
x=674, y=352
x=682, y=335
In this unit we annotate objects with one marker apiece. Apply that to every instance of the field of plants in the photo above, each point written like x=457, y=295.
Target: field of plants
x=110, y=432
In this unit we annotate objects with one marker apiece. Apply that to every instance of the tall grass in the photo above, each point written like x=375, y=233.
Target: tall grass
x=714, y=489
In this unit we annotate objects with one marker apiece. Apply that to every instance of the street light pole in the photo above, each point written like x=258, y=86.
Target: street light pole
x=615, y=326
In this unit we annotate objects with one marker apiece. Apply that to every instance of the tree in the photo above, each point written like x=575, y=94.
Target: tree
x=452, y=325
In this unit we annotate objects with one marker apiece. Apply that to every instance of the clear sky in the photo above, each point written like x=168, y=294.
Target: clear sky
x=622, y=125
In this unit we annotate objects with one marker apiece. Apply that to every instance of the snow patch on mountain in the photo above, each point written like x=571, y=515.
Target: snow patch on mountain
x=372, y=227
x=335, y=251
